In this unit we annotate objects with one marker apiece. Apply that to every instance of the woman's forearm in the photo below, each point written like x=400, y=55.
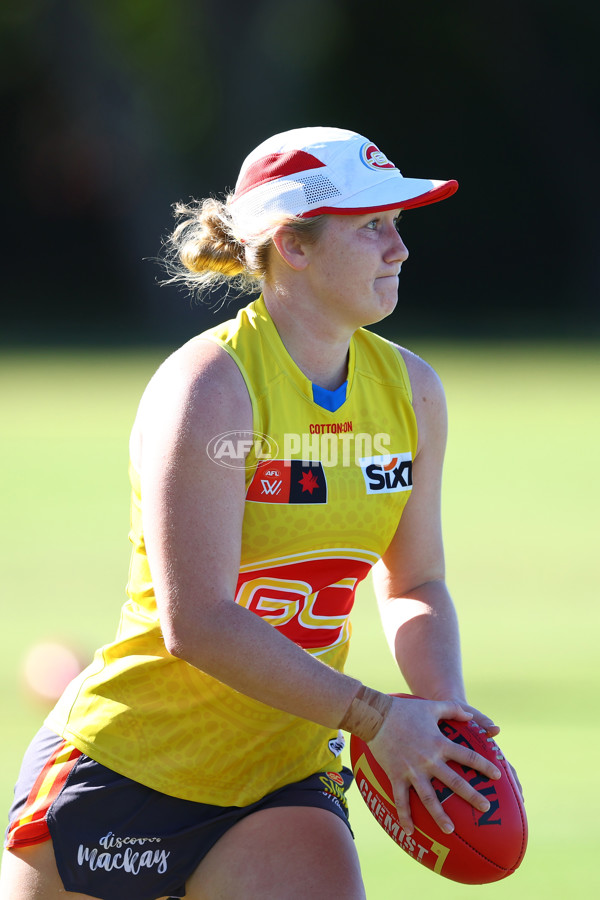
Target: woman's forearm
x=238, y=648
x=422, y=629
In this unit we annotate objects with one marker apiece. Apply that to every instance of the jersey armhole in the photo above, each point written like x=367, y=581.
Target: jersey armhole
x=404, y=372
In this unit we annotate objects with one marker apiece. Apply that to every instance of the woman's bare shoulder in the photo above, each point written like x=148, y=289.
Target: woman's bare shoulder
x=198, y=388
x=429, y=399
x=423, y=377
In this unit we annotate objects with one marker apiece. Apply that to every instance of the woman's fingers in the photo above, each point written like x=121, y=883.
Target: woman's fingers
x=431, y=802
x=488, y=725
x=402, y=804
x=461, y=787
x=472, y=760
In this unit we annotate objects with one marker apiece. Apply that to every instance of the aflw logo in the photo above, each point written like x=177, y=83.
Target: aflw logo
x=288, y=481
x=272, y=488
x=387, y=474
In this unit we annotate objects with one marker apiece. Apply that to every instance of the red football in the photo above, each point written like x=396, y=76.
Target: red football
x=483, y=847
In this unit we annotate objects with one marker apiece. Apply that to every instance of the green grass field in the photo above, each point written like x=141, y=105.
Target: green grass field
x=521, y=514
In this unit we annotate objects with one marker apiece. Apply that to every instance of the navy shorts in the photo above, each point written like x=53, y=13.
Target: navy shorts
x=116, y=839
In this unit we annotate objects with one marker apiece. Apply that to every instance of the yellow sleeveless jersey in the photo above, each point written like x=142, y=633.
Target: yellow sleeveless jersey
x=325, y=492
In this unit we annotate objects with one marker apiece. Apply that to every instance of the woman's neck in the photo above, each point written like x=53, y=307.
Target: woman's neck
x=310, y=339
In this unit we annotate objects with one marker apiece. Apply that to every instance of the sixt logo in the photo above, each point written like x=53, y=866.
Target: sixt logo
x=372, y=157
x=387, y=474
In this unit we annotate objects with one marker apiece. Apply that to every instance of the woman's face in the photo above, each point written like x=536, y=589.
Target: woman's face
x=354, y=266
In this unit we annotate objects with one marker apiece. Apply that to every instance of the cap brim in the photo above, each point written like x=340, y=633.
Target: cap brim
x=396, y=193
x=441, y=190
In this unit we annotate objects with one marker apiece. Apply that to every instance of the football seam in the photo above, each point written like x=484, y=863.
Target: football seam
x=506, y=768
x=513, y=788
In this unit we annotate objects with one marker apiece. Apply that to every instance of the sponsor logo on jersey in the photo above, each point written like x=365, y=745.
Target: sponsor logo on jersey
x=387, y=474
x=288, y=481
x=372, y=157
x=330, y=427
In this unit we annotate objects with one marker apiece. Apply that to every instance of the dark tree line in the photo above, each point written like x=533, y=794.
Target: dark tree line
x=113, y=111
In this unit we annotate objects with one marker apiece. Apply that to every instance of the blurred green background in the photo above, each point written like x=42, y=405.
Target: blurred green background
x=113, y=110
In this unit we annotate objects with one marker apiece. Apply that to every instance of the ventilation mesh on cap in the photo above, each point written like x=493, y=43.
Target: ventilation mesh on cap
x=290, y=196
x=318, y=188
x=256, y=210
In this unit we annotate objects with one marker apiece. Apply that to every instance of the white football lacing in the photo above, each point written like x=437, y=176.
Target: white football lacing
x=490, y=740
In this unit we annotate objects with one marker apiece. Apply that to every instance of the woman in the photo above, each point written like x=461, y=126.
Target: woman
x=274, y=461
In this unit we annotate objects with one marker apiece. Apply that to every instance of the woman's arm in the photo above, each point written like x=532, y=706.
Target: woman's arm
x=192, y=518
x=417, y=611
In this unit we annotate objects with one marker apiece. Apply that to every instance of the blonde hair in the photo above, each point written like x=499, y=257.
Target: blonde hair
x=203, y=252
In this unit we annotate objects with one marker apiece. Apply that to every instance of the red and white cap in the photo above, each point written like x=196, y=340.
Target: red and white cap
x=309, y=171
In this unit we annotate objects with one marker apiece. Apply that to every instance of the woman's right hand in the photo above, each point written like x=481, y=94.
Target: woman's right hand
x=412, y=750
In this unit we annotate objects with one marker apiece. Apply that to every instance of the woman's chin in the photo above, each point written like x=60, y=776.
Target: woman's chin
x=388, y=301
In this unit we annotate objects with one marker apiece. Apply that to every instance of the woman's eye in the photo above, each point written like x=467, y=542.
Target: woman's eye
x=373, y=224
x=397, y=221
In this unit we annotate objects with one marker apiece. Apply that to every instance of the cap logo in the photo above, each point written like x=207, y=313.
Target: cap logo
x=373, y=158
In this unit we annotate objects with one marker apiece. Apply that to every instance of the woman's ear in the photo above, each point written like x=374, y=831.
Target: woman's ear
x=290, y=248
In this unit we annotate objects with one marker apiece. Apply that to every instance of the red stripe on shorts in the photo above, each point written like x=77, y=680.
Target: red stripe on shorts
x=31, y=827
